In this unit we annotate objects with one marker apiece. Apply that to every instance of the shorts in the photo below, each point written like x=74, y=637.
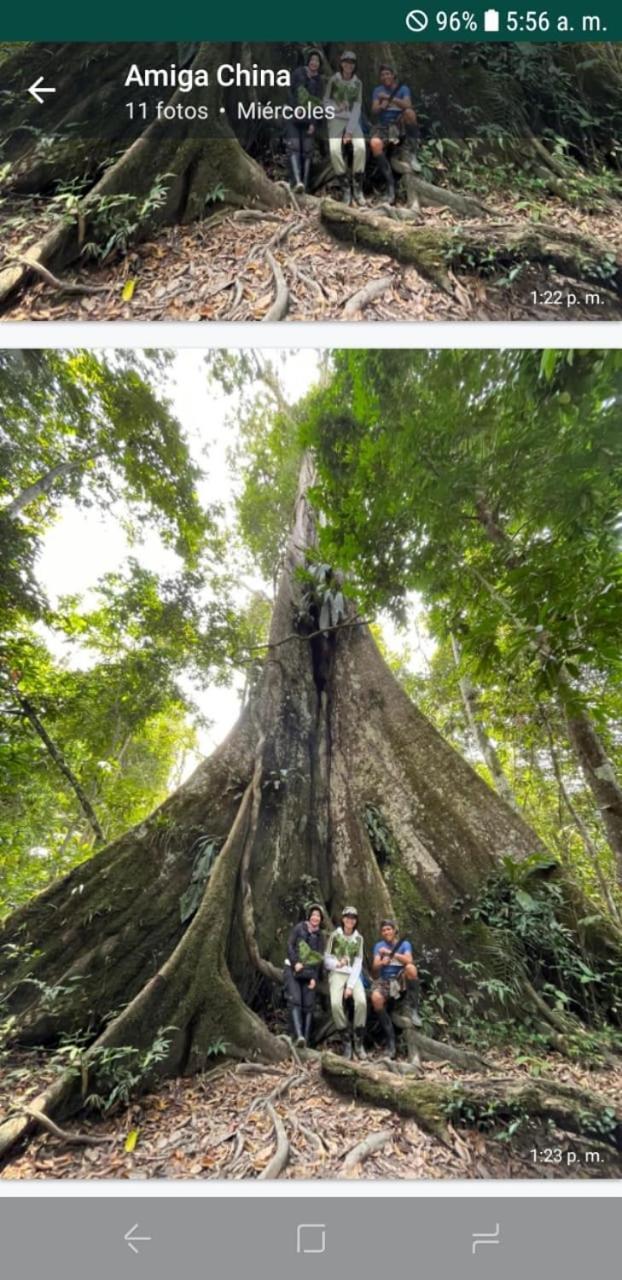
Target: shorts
x=390, y=988
x=390, y=133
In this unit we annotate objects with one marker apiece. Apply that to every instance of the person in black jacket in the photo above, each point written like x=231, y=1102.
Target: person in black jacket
x=306, y=87
x=305, y=952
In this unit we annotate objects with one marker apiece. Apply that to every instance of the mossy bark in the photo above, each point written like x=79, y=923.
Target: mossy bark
x=483, y=249
x=489, y=1104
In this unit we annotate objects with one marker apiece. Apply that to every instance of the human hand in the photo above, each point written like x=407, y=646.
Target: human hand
x=347, y=137
x=298, y=966
x=347, y=993
x=312, y=984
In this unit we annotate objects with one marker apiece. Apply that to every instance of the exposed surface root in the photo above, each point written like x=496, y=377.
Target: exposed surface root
x=217, y=270
x=281, y=1155
x=217, y=1126
x=479, y=248
x=432, y=1104
x=359, y=1153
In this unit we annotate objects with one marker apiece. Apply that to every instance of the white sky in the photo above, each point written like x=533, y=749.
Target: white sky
x=85, y=544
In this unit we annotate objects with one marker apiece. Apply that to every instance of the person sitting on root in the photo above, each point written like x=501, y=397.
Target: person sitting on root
x=344, y=94
x=394, y=974
x=394, y=133
x=344, y=961
x=305, y=953
x=305, y=88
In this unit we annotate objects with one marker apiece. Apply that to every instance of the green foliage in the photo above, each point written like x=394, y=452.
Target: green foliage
x=207, y=849
x=111, y=1077
x=490, y=484
x=107, y=675
x=381, y=838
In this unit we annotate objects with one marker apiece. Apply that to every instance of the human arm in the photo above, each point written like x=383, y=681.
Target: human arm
x=357, y=966
x=354, y=126
x=292, y=949
x=330, y=961
x=404, y=954
x=402, y=99
x=379, y=101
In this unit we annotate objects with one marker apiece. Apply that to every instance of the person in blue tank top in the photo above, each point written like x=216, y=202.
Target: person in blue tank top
x=394, y=132
x=394, y=975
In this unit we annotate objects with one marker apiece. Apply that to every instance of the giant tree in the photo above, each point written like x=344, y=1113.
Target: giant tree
x=157, y=932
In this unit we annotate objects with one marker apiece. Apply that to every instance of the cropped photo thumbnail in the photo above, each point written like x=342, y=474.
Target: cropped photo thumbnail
x=310, y=754
x=274, y=182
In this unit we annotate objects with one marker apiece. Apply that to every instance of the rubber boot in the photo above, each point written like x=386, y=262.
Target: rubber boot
x=387, y=173
x=357, y=185
x=346, y=191
x=412, y=1001
x=306, y=175
x=296, y=183
x=346, y=1045
x=389, y=1032
x=308, y=1027
x=297, y=1022
x=359, y=1047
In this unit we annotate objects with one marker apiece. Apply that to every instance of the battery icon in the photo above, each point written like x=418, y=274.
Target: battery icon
x=491, y=20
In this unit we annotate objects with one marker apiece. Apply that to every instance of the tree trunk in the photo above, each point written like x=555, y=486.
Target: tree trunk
x=327, y=734
x=189, y=164
x=600, y=777
x=40, y=487
x=470, y=699
x=31, y=716
x=480, y=249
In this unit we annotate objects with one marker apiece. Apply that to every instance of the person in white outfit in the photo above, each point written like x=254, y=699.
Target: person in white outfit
x=343, y=959
x=344, y=93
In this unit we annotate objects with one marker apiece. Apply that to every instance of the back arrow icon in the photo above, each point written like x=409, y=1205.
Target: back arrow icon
x=38, y=88
x=132, y=1239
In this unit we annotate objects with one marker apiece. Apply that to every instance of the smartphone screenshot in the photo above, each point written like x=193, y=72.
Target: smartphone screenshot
x=467, y=168
x=310, y=718
x=310, y=846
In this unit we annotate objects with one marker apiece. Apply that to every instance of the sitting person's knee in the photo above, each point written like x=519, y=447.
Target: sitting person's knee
x=410, y=971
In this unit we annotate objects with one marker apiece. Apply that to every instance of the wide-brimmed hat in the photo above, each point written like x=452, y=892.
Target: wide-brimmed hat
x=350, y=911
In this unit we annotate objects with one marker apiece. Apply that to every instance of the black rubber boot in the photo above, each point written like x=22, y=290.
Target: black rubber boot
x=346, y=190
x=308, y=1027
x=296, y=182
x=412, y=1001
x=306, y=176
x=297, y=1023
x=389, y=1032
x=387, y=173
x=346, y=1045
x=357, y=187
x=359, y=1047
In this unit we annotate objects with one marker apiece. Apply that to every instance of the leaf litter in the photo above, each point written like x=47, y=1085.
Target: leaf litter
x=218, y=1125
x=218, y=270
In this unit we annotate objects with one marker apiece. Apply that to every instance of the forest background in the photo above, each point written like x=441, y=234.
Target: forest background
x=124, y=675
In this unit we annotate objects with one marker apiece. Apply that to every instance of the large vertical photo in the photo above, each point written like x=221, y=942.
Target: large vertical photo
x=305, y=181
x=310, y=753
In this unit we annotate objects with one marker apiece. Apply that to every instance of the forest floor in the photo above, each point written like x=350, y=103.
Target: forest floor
x=218, y=270
x=217, y=1126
